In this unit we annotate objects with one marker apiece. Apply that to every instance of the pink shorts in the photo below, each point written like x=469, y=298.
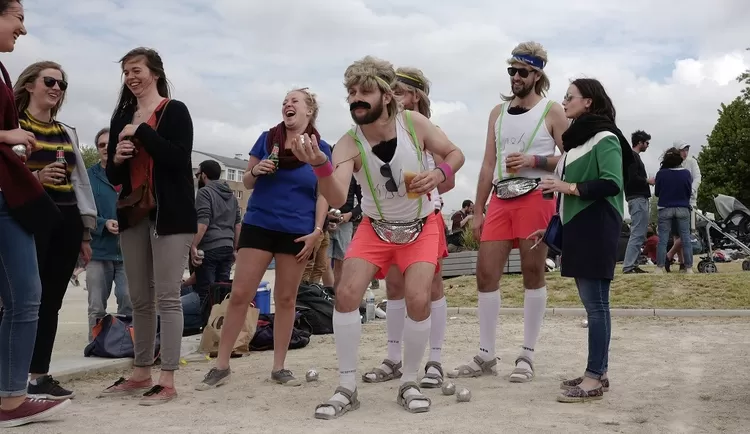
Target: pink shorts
x=443, y=243
x=368, y=246
x=514, y=219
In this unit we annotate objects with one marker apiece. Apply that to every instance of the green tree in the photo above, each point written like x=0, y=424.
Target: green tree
x=90, y=155
x=725, y=161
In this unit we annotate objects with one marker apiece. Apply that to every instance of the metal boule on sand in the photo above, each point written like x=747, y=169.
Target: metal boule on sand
x=463, y=395
x=448, y=388
x=312, y=375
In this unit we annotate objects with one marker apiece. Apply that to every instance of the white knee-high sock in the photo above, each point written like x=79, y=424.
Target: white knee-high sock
x=534, y=305
x=416, y=335
x=439, y=315
x=489, y=309
x=394, y=324
x=347, y=329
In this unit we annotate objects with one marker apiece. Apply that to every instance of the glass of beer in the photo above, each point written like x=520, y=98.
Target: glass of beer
x=408, y=178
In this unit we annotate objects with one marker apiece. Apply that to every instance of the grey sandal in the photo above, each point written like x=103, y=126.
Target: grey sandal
x=522, y=375
x=382, y=376
x=466, y=371
x=339, y=407
x=405, y=401
x=429, y=375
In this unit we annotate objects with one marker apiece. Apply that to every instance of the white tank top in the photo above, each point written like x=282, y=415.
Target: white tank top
x=435, y=195
x=377, y=202
x=526, y=133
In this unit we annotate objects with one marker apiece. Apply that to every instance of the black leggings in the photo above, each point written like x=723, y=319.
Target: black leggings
x=57, y=253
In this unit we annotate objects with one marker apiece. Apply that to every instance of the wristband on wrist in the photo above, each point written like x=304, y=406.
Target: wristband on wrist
x=324, y=170
x=446, y=169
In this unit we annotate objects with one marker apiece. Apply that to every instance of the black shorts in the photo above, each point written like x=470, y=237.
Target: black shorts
x=256, y=237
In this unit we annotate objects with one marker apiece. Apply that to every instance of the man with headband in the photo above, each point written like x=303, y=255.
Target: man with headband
x=412, y=90
x=386, y=153
x=522, y=135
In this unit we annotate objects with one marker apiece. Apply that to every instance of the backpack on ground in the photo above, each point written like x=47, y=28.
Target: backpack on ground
x=315, y=306
x=114, y=337
x=263, y=338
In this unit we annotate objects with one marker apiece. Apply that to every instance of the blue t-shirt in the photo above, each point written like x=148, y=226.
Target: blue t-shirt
x=284, y=201
x=673, y=188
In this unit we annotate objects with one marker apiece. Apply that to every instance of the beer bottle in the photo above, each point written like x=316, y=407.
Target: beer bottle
x=60, y=158
x=274, y=157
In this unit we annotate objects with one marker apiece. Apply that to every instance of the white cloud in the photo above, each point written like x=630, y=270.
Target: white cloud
x=667, y=65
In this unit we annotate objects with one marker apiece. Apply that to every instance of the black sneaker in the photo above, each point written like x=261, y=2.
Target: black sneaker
x=47, y=387
x=636, y=270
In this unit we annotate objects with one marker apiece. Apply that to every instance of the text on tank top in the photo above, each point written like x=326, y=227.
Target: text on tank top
x=526, y=133
x=377, y=202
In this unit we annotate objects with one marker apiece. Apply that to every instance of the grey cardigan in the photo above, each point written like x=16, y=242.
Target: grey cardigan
x=82, y=186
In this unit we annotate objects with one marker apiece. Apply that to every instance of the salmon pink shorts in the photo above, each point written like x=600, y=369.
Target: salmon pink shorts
x=368, y=246
x=514, y=219
x=443, y=242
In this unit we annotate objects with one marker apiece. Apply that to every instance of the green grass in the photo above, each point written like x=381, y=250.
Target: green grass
x=727, y=289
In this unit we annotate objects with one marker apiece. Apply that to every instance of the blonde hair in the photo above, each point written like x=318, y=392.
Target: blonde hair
x=415, y=74
x=531, y=48
x=370, y=73
x=31, y=73
x=311, y=100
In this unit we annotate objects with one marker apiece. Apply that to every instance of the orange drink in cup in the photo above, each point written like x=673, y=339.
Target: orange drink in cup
x=408, y=178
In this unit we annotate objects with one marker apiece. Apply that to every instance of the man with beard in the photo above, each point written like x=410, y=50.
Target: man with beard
x=412, y=90
x=637, y=193
x=219, y=224
x=386, y=153
x=522, y=135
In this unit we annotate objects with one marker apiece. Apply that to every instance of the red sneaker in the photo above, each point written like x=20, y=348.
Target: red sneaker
x=123, y=387
x=30, y=411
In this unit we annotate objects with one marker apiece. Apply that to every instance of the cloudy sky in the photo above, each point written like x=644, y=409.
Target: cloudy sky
x=667, y=64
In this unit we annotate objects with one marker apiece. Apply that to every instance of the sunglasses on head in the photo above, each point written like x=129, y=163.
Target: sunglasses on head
x=523, y=72
x=390, y=184
x=50, y=82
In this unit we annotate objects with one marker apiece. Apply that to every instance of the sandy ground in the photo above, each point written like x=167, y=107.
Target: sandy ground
x=668, y=375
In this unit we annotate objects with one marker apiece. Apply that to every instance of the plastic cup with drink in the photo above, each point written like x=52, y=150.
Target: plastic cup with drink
x=408, y=178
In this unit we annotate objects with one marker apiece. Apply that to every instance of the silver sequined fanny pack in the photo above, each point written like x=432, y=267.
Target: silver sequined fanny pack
x=398, y=232
x=511, y=188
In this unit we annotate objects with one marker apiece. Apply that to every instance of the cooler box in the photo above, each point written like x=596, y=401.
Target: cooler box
x=262, y=298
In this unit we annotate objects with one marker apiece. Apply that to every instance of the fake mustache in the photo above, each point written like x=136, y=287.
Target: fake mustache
x=359, y=104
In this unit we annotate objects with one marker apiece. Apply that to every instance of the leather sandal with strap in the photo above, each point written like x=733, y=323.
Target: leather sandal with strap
x=522, y=375
x=438, y=378
x=404, y=401
x=339, y=408
x=383, y=376
x=467, y=371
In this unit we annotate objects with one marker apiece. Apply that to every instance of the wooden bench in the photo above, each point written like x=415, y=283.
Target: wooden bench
x=465, y=264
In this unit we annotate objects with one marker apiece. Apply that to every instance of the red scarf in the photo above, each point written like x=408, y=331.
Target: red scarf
x=277, y=136
x=27, y=201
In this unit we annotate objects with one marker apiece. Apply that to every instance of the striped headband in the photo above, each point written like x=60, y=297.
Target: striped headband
x=411, y=81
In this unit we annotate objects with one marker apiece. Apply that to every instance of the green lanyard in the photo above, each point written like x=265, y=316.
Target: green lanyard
x=498, y=143
x=366, y=166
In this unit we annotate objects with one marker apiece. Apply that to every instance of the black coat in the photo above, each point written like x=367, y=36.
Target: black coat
x=170, y=148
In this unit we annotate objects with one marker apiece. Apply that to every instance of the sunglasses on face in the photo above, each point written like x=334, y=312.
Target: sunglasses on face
x=50, y=82
x=520, y=71
x=569, y=98
x=198, y=175
x=390, y=184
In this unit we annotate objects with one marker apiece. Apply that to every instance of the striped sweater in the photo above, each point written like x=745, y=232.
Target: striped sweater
x=592, y=221
x=50, y=136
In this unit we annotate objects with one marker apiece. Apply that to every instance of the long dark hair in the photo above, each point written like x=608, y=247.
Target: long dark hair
x=601, y=104
x=127, y=100
x=672, y=159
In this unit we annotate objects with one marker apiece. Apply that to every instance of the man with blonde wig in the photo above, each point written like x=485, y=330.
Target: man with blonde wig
x=386, y=153
x=522, y=135
x=412, y=90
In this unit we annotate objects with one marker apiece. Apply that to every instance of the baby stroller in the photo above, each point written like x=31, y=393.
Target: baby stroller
x=731, y=232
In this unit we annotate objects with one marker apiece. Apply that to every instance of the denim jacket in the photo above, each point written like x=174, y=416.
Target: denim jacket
x=105, y=246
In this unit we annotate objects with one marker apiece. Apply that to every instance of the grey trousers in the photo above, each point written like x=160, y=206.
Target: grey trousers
x=154, y=266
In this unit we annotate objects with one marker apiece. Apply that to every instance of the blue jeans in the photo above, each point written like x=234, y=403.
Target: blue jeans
x=21, y=293
x=639, y=216
x=192, y=311
x=216, y=267
x=594, y=294
x=681, y=218
x=99, y=278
